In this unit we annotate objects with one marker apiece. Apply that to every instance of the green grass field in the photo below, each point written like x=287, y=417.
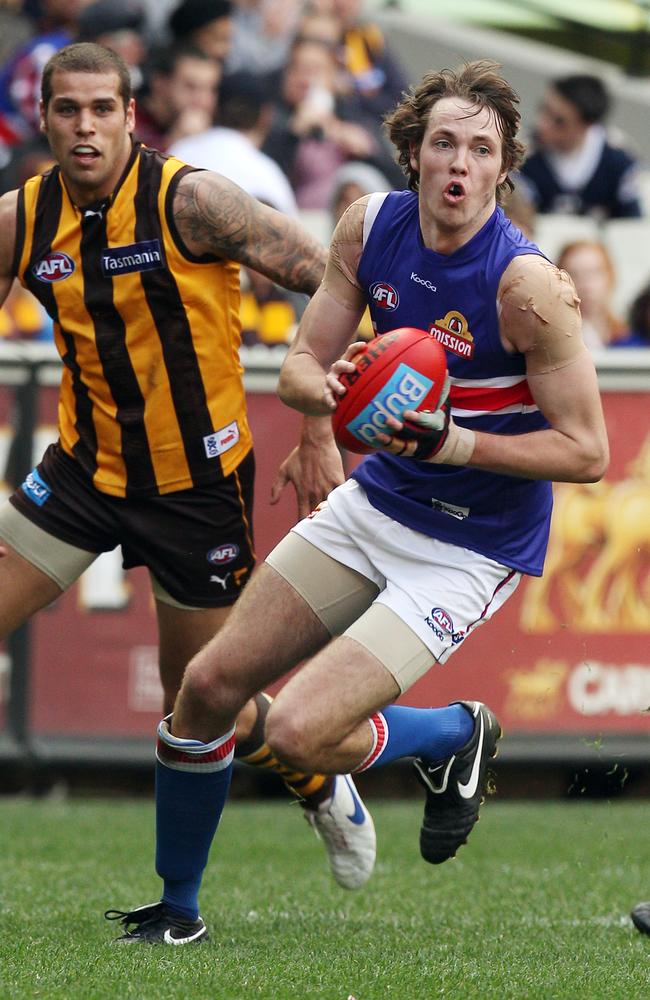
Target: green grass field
x=535, y=906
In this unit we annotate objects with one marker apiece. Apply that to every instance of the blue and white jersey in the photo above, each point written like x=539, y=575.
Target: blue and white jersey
x=455, y=298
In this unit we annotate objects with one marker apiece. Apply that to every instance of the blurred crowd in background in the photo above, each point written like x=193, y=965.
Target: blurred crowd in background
x=287, y=97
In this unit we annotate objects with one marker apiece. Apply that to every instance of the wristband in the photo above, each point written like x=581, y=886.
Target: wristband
x=458, y=447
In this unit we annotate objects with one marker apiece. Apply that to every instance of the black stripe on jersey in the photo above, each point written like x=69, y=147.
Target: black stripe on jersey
x=203, y=258
x=46, y=223
x=20, y=232
x=172, y=325
x=110, y=338
x=47, y=215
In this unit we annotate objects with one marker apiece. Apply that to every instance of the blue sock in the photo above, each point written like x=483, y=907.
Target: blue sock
x=192, y=782
x=431, y=733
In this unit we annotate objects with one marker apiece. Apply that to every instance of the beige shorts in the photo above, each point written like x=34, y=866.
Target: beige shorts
x=411, y=600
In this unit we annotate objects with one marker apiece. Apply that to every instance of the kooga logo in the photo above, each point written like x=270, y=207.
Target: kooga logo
x=405, y=389
x=423, y=281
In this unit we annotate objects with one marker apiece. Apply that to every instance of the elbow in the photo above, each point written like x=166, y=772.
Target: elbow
x=290, y=396
x=298, y=394
x=284, y=390
x=595, y=464
x=288, y=388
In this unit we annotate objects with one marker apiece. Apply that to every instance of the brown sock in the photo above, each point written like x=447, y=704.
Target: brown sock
x=311, y=789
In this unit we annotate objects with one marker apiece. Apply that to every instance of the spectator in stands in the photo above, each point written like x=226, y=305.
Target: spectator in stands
x=521, y=211
x=322, y=25
x=576, y=167
x=315, y=130
x=263, y=31
x=29, y=158
x=269, y=314
x=369, y=80
x=373, y=71
x=16, y=27
x=118, y=25
x=179, y=97
x=232, y=146
x=352, y=181
x=639, y=321
x=592, y=270
x=205, y=24
x=20, y=78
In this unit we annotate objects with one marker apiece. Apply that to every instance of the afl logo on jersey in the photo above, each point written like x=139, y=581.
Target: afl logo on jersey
x=55, y=266
x=384, y=295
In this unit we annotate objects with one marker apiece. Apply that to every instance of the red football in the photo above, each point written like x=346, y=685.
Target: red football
x=401, y=370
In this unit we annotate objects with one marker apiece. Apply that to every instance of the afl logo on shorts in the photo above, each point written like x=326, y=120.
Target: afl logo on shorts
x=55, y=266
x=384, y=295
x=223, y=554
x=442, y=619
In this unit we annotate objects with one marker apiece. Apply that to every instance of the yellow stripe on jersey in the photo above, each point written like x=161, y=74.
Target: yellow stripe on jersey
x=152, y=398
x=145, y=349
x=217, y=355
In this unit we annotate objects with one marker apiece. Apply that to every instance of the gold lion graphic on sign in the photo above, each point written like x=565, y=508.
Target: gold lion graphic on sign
x=536, y=693
x=597, y=575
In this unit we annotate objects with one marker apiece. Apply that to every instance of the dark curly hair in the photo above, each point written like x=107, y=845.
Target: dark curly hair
x=480, y=84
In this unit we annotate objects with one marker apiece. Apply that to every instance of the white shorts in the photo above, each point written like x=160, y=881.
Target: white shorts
x=442, y=592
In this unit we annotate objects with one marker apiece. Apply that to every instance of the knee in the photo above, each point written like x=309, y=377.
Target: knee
x=290, y=739
x=209, y=690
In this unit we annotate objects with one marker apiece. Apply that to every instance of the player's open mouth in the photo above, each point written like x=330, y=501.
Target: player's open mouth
x=454, y=192
x=85, y=154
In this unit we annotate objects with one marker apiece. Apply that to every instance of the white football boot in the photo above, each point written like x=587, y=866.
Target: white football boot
x=345, y=826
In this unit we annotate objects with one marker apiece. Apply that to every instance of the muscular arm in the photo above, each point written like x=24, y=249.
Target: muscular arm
x=326, y=329
x=329, y=323
x=540, y=318
x=215, y=216
x=8, y=204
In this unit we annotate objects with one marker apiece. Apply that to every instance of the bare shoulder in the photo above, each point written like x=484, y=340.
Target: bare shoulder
x=530, y=272
x=538, y=305
x=210, y=213
x=346, y=246
x=8, y=205
x=349, y=228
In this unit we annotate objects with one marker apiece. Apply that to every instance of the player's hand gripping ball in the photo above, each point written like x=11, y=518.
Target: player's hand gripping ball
x=402, y=370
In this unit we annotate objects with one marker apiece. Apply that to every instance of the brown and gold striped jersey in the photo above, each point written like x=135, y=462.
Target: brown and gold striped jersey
x=152, y=399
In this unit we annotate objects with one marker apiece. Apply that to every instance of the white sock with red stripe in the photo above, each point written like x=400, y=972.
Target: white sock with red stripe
x=379, y=729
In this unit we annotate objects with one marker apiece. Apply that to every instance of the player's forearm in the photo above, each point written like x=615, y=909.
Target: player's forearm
x=302, y=385
x=316, y=431
x=547, y=454
x=213, y=215
x=294, y=260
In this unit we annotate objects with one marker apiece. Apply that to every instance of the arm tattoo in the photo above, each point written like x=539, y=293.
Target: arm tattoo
x=214, y=216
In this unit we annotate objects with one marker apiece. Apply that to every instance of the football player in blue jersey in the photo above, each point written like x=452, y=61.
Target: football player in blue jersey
x=432, y=533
